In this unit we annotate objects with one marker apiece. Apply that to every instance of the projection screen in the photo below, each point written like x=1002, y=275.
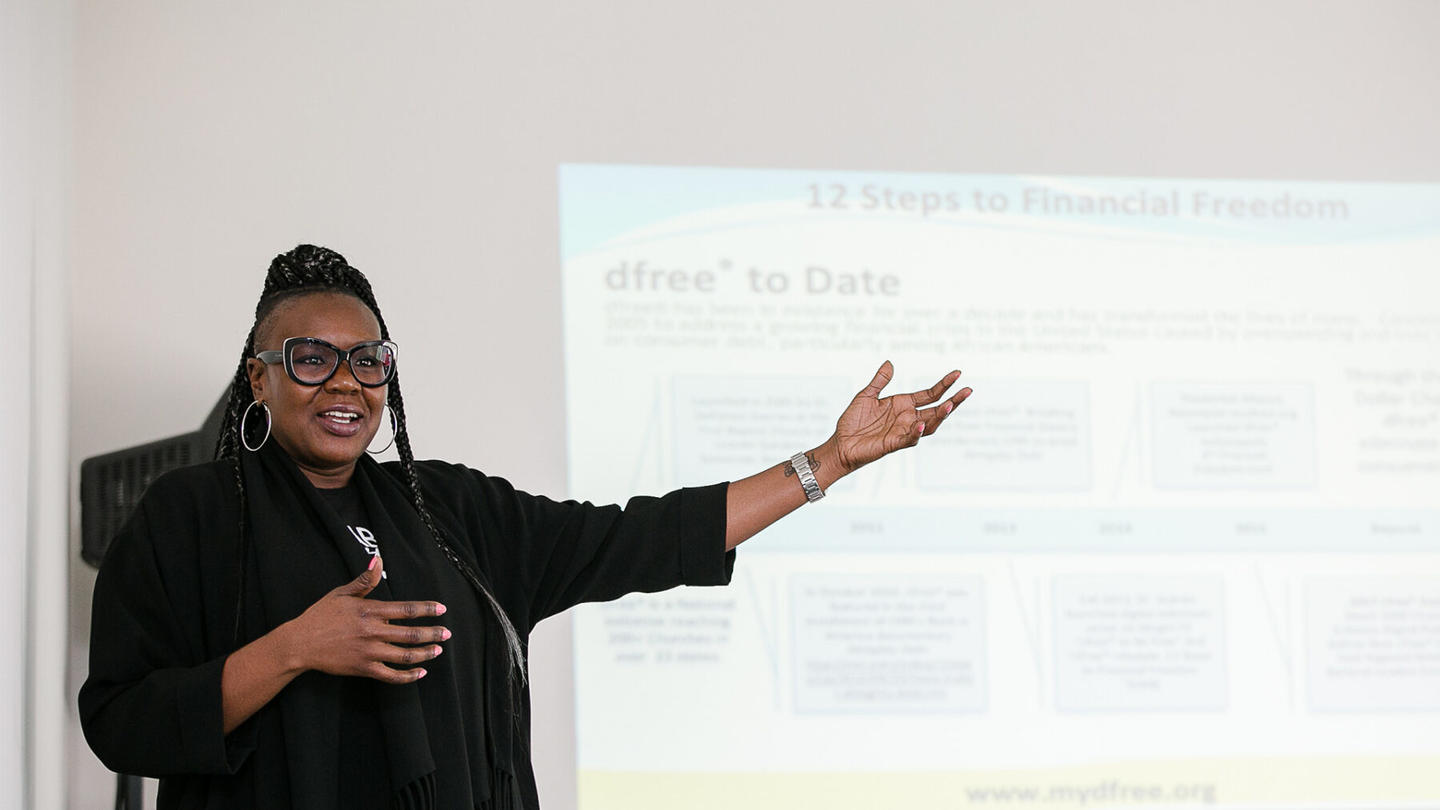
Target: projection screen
x=1179, y=547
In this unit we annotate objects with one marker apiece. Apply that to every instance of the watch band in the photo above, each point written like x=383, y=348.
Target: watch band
x=813, y=492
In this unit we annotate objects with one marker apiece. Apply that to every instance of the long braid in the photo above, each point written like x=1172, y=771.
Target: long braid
x=308, y=269
x=227, y=445
x=514, y=651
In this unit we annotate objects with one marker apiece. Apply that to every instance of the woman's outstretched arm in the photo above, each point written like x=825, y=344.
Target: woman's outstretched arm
x=871, y=427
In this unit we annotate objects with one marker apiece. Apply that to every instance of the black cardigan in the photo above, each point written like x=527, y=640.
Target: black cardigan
x=164, y=616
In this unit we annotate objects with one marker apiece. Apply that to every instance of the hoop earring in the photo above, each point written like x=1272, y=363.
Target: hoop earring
x=394, y=431
x=245, y=417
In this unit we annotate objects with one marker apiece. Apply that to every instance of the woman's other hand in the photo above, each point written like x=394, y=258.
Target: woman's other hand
x=874, y=426
x=345, y=633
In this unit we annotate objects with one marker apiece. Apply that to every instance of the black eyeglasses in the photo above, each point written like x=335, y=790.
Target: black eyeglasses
x=312, y=361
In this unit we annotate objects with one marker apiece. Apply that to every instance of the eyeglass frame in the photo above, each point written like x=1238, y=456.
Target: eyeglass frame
x=283, y=354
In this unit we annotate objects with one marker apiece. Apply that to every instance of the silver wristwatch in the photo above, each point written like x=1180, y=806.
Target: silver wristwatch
x=813, y=492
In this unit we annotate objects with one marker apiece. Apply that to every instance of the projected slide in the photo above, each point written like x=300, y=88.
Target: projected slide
x=1182, y=546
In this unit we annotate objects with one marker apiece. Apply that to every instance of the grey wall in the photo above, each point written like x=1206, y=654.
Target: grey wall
x=421, y=139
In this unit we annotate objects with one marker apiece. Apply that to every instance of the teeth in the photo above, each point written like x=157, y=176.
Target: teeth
x=348, y=417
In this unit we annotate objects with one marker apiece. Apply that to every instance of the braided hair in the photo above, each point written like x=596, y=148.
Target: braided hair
x=304, y=271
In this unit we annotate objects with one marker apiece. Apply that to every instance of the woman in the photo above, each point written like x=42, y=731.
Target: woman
x=296, y=625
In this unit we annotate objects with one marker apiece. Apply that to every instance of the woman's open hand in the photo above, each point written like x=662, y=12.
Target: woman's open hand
x=874, y=426
x=346, y=634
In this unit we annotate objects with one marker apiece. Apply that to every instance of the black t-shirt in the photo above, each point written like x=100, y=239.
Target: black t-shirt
x=348, y=505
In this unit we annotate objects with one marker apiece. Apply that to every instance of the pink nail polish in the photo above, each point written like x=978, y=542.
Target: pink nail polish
x=445, y=635
x=439, y=609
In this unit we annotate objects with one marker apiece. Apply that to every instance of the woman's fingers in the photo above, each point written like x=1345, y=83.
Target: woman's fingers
x=365, y=583
x=904, y=433
x=383, y=660
x=362, y=585
x=347, y=633
x=879, y=381
x=380, y=672
x=926, y=396
x=390, y=611
x=933, y=417
x=405, y=656
x=403, y=634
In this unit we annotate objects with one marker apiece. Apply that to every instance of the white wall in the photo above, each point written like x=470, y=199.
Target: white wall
x=35, y=97
x=421, y=140
x=16, y=279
